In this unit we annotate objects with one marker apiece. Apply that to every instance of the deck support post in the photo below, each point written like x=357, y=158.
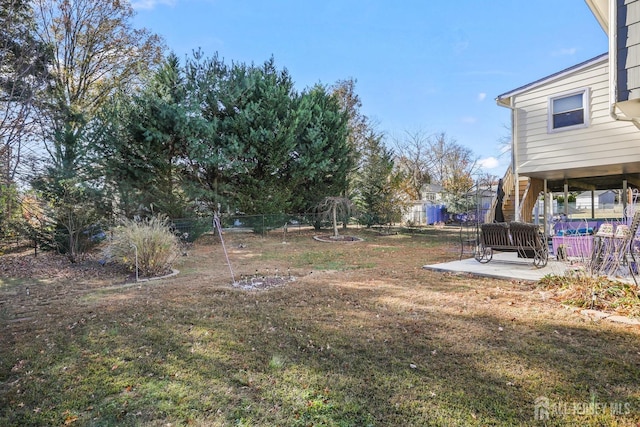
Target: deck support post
x=624, y=200
x=546, y=208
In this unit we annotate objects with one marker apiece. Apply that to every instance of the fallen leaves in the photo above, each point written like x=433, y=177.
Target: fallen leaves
x=19, y=366
x=70, y=419
x=51, y=265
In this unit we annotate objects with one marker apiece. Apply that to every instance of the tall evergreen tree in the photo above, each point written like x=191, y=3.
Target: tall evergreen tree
x=380, y=200
x=217, y=161
x=244, y=163
x=359, y=128
x=323, y=157
x=236, y=137
x=264, y=128
x=145, y=144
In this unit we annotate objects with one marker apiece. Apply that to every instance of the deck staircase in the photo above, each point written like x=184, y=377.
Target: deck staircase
x=529, y=189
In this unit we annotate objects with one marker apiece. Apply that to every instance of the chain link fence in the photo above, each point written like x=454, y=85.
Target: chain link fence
x=189, y=229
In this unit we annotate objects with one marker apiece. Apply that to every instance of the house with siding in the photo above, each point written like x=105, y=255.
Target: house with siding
x=579, y=129
x=427, y=209
x=601, y=199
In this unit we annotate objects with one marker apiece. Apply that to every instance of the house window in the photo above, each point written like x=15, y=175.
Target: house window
x=569, y=111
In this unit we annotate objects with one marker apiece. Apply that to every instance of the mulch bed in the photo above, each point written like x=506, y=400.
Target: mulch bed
x=263, y=283
x=340, y=238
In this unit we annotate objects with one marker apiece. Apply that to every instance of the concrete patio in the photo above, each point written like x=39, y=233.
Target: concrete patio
x=505, y=265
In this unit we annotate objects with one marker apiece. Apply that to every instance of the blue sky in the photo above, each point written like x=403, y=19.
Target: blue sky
x=421, y=65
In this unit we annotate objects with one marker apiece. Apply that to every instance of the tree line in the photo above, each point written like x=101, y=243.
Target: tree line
x=98, y=122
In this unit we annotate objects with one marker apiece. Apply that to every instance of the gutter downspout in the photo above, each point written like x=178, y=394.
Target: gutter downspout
x=514, y=159
x=514, y=155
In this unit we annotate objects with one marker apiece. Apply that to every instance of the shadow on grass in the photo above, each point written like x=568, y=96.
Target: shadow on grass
x=10, y=285
x=381, y=350
x=259, y=358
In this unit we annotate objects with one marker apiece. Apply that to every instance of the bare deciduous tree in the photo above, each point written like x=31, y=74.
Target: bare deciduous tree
x=415, y=161
x=436, y=159
x=23, y=70
x=96, y=52
x=344, y=91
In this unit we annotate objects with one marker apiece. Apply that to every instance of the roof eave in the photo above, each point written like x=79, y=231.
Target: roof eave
x=600, y=9
x=504, y=98
x=504, y=101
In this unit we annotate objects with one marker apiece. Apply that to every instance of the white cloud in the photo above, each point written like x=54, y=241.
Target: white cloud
x=460, y=46
x=565, y=52
x=489, y=163
x=482, y=96
x=485, y=73
x=151, y=4
x=459, y=40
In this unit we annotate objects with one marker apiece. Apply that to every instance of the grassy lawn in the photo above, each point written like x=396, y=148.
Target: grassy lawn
x=362, y=336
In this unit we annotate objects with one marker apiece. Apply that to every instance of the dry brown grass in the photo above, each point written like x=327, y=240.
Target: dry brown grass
x=363, y=336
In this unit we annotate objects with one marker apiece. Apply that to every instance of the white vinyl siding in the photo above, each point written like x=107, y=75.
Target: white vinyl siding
x=604, y=147
x=628, y=50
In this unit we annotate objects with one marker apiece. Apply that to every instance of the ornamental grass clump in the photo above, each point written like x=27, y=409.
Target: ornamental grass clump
x=156, y=245
x=596, y=292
